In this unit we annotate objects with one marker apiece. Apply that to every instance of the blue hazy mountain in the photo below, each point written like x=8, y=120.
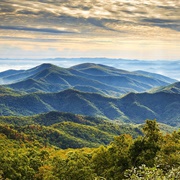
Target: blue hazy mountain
x=168, y=68
x=11, y=76
x=87, y=77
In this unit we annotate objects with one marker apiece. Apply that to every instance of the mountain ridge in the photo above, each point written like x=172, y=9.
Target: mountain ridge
x=106, y=79
x=133, y=107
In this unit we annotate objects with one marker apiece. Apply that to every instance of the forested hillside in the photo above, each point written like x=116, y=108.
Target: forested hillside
x=131, y=108
x=65, y=130
x=151, y=156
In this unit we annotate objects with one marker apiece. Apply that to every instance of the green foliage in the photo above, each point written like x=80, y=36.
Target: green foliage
x=154, y=173
x=145, y=148
x=110, y=161
x=22, y=158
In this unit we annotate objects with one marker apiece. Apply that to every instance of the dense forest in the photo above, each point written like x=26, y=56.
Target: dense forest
x=67, y=130
x=153, y=155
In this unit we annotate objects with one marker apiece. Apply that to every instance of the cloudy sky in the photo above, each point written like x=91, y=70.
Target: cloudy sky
x=130, y=29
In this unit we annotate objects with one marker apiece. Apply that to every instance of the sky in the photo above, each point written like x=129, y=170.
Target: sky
x=128, y=29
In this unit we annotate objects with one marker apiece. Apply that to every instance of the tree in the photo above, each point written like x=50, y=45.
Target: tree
x=111, y=162
x=151, y=131
x=144, y=149
x=169, y=156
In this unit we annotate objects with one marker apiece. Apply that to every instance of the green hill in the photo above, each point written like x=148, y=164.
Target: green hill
x=64, y=130
x=32, y=152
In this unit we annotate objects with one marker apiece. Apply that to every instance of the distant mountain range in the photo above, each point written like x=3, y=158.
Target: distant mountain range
x=87, y=77
x=93, y=90
x=168, y=68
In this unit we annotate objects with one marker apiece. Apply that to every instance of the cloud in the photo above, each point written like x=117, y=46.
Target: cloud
x=7, y=9
x=113, y=24
x=28, y=12
x=11, y=38
x=78, y=14
x=166, y=23
x=43, y=30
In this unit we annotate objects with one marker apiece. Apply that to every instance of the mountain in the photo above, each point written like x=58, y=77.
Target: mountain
x=172, y=88
x=131, y=108
x=118, y=77
x=9, y=73
x=87, y=77
x=54, y=79
x=12, y=76
x=98, y=69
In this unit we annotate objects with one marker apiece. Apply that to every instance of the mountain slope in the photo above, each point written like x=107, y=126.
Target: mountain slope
x=102, y=72
x=172, y=88
x=54, y=79
x=98, y=69
x=8, y=91
x=165, y=107
x=157, y=76
x=12, y=76
x=87, y=77
x=9, y=73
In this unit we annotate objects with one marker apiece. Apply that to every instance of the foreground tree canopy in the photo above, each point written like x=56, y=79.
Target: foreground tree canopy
x=151, y=156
